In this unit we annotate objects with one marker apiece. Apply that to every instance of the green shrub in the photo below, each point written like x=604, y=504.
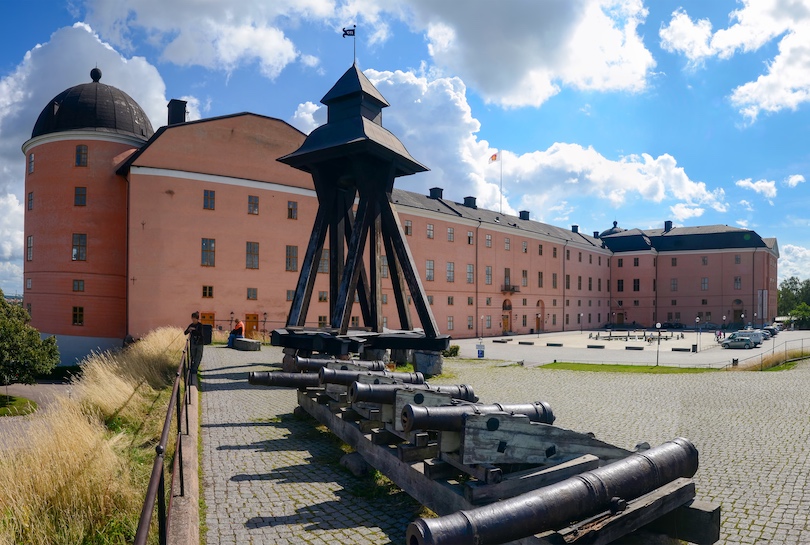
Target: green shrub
x=452, y=351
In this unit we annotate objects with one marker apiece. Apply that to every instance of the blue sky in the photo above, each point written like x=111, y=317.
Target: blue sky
x=601, y=110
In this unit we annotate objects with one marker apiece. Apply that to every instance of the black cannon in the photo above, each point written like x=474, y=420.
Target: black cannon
x=345, y=378
x=557, y=505
x=314, y=365
x=387, y=393
x=451, y=417
x=283, y=380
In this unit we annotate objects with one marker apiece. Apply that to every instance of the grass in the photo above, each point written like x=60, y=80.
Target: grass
x=16, y=406
x=652, y=369
x=79, y=470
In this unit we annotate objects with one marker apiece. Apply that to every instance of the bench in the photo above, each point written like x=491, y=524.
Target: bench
x=500, y=341
x=634, y=348
x=596, y=346
x=681, y=349
x=528, y=343
x=245, y=344
x=553, y=344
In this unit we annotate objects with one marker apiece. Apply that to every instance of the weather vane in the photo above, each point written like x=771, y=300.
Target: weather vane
x=350, y=32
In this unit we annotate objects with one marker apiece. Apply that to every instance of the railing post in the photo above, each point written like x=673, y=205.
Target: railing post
x=162, y=533
x=180, y=460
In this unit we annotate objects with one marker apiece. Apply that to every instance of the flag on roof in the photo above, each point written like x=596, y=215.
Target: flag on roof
x=348, y=31
x=493, y=158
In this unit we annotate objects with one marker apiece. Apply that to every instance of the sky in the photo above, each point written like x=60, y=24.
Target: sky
x=599, y=110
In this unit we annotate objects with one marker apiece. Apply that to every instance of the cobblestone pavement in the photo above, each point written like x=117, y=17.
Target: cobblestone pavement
x=268, y=478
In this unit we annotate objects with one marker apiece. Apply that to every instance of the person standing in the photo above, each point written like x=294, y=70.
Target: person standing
x=237, y=332
x=195, y=338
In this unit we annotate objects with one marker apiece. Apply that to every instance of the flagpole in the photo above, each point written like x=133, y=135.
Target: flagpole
x=500, y=157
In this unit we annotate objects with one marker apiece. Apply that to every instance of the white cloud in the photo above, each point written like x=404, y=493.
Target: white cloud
x=765, y=188
x=747, y=205
x=742, y=223
x=308, y=116
x=682, y=211
x=793, y=180
x=785, y=84
x=793, y=261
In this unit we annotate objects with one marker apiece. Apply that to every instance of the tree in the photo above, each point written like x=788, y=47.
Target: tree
x=802, y=315
x=23, y=354
x=788, y=295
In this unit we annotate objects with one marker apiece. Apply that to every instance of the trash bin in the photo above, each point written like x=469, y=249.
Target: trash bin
x=734, y=362
x=694, y=348
x=480, y=349
x=207, y=329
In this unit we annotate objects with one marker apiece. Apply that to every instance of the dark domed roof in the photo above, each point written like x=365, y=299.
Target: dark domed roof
x=93, y=106
x=612, y=231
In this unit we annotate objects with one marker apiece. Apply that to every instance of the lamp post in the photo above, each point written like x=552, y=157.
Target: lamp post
x=724, y=326
x=658, y=349
x=231, y=326
x=482, y=327
x=580, y=323
x=264, y=326
x=697, y=333
x=742, y=317
x=538, y=324
x=754, y=323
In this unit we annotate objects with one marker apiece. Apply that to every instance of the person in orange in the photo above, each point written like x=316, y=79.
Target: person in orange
x=237, y=332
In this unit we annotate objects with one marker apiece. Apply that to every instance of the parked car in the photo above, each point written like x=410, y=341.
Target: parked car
x=738, y=341
x=754, y=335
x=771, y=329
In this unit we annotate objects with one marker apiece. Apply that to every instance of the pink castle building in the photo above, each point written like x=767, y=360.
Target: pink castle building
x=128, y=229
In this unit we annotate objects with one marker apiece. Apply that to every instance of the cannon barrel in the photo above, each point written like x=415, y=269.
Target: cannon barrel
x=314, y=365
x=557, y=505
x=284, y=380
x=387, y=393
x=451, y=417
x=337, y=376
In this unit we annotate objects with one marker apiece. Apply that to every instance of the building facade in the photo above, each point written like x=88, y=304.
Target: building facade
x=129, y=229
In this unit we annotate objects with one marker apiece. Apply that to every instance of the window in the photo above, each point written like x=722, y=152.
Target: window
x=208, y=292
x=252, y=294
x=252, y=255
x=620, y=285
x=620, y=263
x=430, y=230
x=79, y=247
x=488, y=241
x=253, y=204
x=524, y=320
x=488, y=275
x=674, y=261
x=78, y=285
x=29, y=248
x=408, y=228
x=384, y=266
x=507, y=244
x=737, y=281
x=470, y=273
x=540, y=279
x=568, y=255
x=704, y=284
x=292, y=210
x=385, y=321
x=579, y=283
x=209, y=199
x=451, y=234
x=590, y=283
x=635, y=302
x=673, y=284
x=469, y=300
x=554, y=252
x=488, y=322
x=635, y=262
x=568, y=281
x=636, y=284
x=704, y=302
x=429, y=270
x=737, y=258
x=322, y=321
x=451, y=271
x=81, y=155
x=450, y=300
x=599, y=262
x=30, y=163
x=79, y=196
x=579, y=257
x=470, y=322
x=539, y=249
x=28, y=284
x=524, y=279
x=290, y=295
x=208, y=252
x=704, y=260
x=507, y=276
x=488, y=301
x=449, y=323
x=430, y=300
x=291, y=259
x=554, y=280
x=525, y=247
x=31, y=200
x=323, y=296
x=674, y=302
x=384, y=298
x=323, y=264
x=590, y=262
x=470, y=238
x=598, y=284
x=355, y=321
x=78, y=315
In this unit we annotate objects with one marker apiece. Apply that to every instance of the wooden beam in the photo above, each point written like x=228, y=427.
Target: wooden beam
x=309, y=270
x=351, y=272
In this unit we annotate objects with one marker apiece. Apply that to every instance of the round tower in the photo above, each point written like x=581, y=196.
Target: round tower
x=75, y=266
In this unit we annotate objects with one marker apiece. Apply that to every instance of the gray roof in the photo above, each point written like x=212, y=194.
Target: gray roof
x=699, y=237
x=93, y=106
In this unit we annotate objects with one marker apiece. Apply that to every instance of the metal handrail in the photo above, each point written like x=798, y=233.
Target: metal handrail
x=156, y=490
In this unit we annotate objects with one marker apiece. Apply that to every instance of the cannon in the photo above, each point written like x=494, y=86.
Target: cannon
x=451, y=417
x=557, y=505
x=314, y=365
x=345, y=378
x=387, y=393
x=283, y=380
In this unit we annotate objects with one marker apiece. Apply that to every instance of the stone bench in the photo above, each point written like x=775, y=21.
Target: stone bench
x=634, y=348
x=681, y=349
x=500, y=341
x=553, y=344
x=596, y=346
x=527, y=343
x=246, y=344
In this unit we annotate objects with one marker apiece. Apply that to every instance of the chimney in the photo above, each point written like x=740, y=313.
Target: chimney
x=436, y=192
x=524, y=215
x=668, y=226
x=575, y=228
x=469, y=202
x=177, y=111
x=596, y=234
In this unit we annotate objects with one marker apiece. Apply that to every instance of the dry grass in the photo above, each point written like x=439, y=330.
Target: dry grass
x=79, y=472
x=768, y=361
